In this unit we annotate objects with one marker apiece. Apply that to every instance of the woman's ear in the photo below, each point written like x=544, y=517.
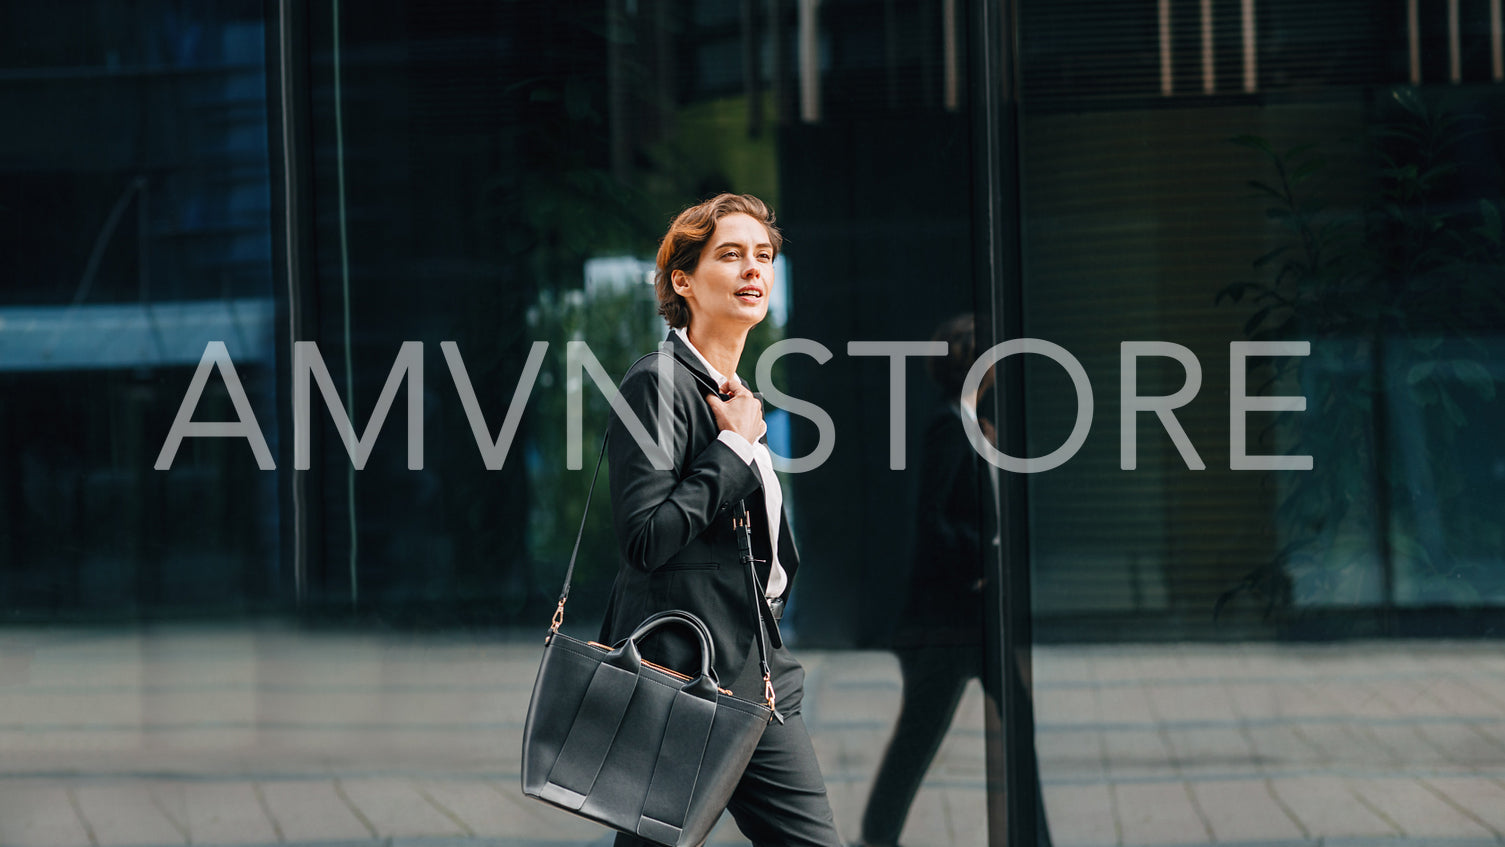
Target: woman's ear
x=680, y=280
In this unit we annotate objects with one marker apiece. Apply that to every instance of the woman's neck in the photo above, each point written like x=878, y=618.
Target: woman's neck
x=722, y=349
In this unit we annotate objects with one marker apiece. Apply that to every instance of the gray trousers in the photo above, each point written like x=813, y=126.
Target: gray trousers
x=781, y=799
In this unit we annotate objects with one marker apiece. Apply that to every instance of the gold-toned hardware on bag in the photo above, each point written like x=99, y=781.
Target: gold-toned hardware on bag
x=557, y=622
x=670, y=671
x=768, y=694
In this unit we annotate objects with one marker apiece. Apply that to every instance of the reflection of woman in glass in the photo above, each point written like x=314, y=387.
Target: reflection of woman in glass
x=674, y=526
x=939, y=643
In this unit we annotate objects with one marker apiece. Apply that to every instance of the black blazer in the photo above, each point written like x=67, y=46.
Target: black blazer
x=674, y=527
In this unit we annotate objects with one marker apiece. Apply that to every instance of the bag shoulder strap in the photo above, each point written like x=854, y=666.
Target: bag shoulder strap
x=569, y=574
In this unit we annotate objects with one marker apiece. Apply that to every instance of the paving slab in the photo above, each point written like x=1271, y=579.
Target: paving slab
x=312, y=810
x=1244, y=810
x=39, y=814
x=1327, y=808
x=1081, y=815
x=126, y=814
x=1158, y=813
x=1194, y=702
x=1121, y=704
x=217, y=812
x=397, y=808
x=1482, y=799
x=1417, y=811
x=1135, y=753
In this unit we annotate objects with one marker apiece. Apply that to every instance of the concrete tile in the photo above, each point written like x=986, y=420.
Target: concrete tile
x=1115, y=666
x=398, y=809
x=1406, y=697
x=1299, y=700
x=1080, y=815
x=1136, y=753
x=1051, y=664
x=1281, y=747
x=1327, y=808
x=1207, y=661
x=217, y=812
x=1207, y=702
x=309, y=810
x=1252, y=701
x=1065, y=706
x=1345, y=746
x=1215, y=749
x=125, y=813
x=1464, y=700
x=1491, y=688
x=1402, y=745
x=35, y=814
x=1158, y=813
x=1160, y=665
x=1418, y=813
x=1073, y=755
x=1481, y=798
x=1244, y=810
x=1120, y=704
x=1462, y=744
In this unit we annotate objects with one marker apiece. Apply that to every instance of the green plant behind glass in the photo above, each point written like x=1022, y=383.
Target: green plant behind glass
x=1395, y=293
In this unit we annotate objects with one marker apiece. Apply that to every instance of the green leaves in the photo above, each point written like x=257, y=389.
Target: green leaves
x=1393, y=284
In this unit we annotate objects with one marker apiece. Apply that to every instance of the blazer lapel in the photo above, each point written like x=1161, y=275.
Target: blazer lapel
x=788, y=555
x=687, y=357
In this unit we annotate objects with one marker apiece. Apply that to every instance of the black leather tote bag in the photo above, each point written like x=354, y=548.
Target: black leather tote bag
x=637, y=747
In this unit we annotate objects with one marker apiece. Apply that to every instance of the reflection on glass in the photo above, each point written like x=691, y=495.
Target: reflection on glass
x=939, y=640
x=1272, y=655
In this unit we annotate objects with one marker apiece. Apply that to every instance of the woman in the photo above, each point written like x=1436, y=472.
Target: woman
x=674, y=526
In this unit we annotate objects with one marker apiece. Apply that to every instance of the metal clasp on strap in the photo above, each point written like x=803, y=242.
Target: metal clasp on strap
x=557, y=622
x=768, y=695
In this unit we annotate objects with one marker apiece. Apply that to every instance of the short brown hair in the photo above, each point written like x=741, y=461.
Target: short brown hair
x=687, y=236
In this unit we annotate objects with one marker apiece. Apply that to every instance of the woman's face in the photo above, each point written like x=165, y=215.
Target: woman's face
x=729, y=286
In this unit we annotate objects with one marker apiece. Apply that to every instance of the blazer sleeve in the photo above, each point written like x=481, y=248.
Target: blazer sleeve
x=657, y=513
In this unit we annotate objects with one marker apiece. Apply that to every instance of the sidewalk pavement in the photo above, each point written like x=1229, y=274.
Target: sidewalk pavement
x=264, y=735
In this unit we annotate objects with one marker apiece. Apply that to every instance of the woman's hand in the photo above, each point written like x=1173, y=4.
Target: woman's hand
x=742, y=414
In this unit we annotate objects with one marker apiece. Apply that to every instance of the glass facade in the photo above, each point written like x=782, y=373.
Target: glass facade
x=297, y=433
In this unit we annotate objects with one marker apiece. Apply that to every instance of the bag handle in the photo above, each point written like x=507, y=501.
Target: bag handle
x=692, y=620
x=628, y=648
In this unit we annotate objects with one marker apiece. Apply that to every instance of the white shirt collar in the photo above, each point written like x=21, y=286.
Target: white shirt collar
x=715, y=374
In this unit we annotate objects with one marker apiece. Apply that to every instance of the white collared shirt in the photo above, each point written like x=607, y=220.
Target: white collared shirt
x=754, y=453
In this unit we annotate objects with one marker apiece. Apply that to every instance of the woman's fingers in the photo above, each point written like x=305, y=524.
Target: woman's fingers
x=741, y=412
